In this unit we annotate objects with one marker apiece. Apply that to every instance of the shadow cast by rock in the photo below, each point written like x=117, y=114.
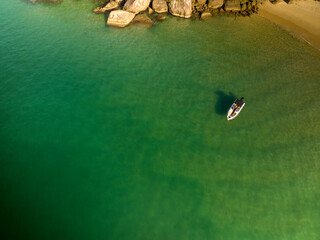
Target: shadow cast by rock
x=224, y=102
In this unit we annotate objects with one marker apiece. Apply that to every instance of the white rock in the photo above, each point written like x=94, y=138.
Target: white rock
x=136, y=6
x=181, y=8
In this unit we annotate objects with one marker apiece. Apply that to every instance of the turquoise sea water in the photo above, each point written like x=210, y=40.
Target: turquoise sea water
x=121, y=134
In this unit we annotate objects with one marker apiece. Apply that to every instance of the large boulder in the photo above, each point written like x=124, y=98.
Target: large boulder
x=232, y=5
x=120, y=18
x=109, y=6
x=181, y=8
x=215, y=3
x=160, y=6
x=136, y=6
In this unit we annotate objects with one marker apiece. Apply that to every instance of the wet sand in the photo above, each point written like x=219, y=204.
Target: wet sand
x=300, y=17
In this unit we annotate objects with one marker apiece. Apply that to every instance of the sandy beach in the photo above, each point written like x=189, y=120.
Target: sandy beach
x=301, y=17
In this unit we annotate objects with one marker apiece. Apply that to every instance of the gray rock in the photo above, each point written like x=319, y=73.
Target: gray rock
x=206, y=15
x=232, y=5
x=215, y=3
x=120, y=18
x=181, y=8
x=160, y=6
x=136, y=6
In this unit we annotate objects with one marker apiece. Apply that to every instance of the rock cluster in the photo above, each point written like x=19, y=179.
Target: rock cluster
x=121, y=13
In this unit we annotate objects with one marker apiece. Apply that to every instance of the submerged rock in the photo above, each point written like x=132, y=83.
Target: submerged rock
x=136, y=6
x=98, y=10
x=109, y=6
x=206, y=15
x=215, y=4
x=142, y=19
x=161, y=17
x=232, y=5
x=181, y=8
x=160, y=6
x=120, y=18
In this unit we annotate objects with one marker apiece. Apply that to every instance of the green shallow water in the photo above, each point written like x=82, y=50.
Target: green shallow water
x=122, y=134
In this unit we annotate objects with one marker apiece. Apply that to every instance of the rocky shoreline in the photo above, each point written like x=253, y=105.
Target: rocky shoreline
x=299, y=16
x=120, y=13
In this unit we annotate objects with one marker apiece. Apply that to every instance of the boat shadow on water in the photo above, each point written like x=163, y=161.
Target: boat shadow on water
x=224, y=102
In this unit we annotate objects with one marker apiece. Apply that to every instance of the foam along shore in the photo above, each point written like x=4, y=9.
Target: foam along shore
x=302, y=17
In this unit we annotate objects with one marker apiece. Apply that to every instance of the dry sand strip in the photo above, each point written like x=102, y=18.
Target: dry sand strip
x=302, y=17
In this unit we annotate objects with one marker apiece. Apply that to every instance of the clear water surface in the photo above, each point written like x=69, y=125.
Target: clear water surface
x=121, y=134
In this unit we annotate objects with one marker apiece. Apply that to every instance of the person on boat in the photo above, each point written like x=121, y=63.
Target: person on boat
x=235, y=107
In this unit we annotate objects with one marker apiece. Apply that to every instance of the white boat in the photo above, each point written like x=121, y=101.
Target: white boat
x=235, y=108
